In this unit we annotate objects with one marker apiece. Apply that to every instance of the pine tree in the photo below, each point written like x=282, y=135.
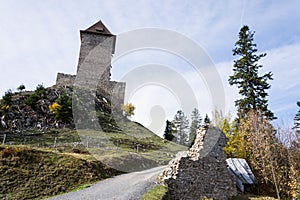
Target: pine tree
x=207, y=120
x=181, y=124
x=169, y=131
x=195, y=124
x=297, y=119
x=252, y=87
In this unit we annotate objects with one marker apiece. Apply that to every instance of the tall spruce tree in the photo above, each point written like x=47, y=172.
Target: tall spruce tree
x=169, y=131
x=181, y=124
x=297, y=119
x=252, y=86
x=195, y=124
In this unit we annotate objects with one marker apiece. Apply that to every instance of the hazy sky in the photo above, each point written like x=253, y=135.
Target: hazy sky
x=40, y=38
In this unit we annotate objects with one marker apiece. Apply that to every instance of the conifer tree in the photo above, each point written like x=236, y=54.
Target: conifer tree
x=195, y=124
x=169, y=131
x=181, y=124
x=206, y=119
x=297, y=119
x=252, y=86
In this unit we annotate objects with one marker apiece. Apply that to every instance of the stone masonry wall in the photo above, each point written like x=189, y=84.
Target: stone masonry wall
x=93, y=71
x=65, y=79
x=201, y=171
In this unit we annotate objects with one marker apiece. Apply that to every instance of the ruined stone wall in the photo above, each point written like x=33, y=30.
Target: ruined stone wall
x=202, y=171
x=65, y=79
x=117, y=93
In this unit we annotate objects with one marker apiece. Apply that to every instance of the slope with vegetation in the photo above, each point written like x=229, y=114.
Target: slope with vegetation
x=43, y=155
x=33, y=173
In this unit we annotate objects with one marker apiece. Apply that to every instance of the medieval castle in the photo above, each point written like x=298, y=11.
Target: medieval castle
x=93, y=71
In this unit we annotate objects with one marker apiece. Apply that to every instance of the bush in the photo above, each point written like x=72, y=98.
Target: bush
x=7, y=98
x=128, y=109
x=21, y=88
x=40, y=90
x=32, y=100
x=64, y=108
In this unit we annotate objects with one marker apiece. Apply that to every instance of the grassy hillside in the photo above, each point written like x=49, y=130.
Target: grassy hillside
x=59, y=160
x=134, y=148
x=38, y=159
x=32, y=173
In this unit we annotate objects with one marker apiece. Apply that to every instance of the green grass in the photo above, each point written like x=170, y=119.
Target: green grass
x=156, y=193
x=34, y=166
x=32, y=173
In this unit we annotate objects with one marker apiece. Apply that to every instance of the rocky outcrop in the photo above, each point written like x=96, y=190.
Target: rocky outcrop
x=201, y=172
x=21, y=117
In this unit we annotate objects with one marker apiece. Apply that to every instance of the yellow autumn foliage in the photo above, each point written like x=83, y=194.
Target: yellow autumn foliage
x=128, y=109
x=5, y=107
x=55, y=107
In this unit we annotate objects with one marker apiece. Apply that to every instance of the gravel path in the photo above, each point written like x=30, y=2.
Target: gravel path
x=124, y=187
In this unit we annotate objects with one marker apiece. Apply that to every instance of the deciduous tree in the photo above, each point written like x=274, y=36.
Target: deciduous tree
x=128, y=109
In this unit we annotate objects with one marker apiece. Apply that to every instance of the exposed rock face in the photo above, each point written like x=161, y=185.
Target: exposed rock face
x=202, y=170
x=21, y=117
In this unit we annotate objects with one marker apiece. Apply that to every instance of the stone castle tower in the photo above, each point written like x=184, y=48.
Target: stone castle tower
x=93, y=71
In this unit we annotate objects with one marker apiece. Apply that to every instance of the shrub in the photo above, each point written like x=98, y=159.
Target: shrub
x=7, y=98
x=40, y=90
x=32, y=100
x=21, y=88
x=64, y=108
x=38, y=93
x=128, y=109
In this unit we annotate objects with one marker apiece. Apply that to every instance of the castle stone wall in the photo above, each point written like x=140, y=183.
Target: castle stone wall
x=65, y=79
x=93, y=71
x=95, y=58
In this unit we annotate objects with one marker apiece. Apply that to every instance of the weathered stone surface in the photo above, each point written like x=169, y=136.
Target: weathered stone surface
x=93, y=71
x=65, y=79
x=202, y=170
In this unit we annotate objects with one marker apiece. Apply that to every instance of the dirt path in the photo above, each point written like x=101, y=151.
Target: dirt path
x=124, y=187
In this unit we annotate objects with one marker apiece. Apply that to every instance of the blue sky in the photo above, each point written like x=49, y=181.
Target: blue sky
x=40, y=38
